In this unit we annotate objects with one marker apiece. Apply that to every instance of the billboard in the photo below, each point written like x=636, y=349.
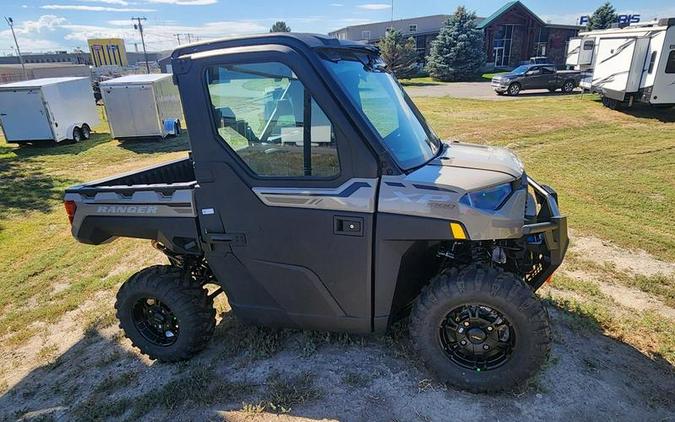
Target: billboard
x=108, y=52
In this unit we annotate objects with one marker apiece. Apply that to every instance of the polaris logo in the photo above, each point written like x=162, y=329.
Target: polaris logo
x=127, y=209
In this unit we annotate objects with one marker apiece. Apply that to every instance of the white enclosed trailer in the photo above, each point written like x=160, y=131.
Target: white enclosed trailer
x=624, y=65
x=47, y=109
x=141, y=106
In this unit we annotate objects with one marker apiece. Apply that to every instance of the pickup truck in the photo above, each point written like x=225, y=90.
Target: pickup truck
x=535, y=76
x=316, y=196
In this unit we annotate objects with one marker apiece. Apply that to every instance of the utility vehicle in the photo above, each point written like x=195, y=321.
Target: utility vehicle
x=316, y=196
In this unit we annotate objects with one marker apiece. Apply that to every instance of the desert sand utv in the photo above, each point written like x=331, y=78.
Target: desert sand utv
x=316, y=196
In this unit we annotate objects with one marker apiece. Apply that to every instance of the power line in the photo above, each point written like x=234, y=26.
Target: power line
x=139, y=26
x=10, y=22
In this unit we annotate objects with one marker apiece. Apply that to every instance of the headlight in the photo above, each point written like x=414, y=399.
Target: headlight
x=488, y=199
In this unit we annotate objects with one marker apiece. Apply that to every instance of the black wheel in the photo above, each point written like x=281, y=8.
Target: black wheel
x=610, y=103
x=77, y=134
x=86, y=131
x=177, y=128
x=568, y=87
x=480, y=329
x=165, y=313
x=514, y=89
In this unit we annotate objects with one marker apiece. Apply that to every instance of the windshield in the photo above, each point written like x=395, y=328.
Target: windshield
x=377, y=95
x=520, y=70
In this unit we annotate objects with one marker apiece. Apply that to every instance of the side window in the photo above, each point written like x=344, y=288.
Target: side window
x=548, y=70
x=652, y=60
x=670, y=64
x=535, y=70
x=263, y=112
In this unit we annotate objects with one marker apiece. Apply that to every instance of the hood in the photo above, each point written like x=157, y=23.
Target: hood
x=480, y=157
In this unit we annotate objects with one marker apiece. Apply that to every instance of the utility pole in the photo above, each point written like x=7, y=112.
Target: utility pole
x=139, y=26
x=10, y=22
x=178, y=38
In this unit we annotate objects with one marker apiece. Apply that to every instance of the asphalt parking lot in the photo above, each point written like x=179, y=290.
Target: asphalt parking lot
x=475, y=90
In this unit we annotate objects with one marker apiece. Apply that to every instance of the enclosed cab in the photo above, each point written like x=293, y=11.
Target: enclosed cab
x=49, y=109
x=142, y=106
x=316, y=196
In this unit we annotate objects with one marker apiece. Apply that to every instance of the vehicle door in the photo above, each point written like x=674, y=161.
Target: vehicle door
x=549, y=79
x=532, y=79
x=286, y=193
x=24, y=116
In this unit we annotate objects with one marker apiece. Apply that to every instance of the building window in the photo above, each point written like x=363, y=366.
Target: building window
x=502, y=45
x=541, y=49
x=588, y=45
x=670, y=64
x=265, y=115
x=365, y=35
x=412, y=28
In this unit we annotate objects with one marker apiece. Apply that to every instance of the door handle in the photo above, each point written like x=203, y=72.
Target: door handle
x=237, y=239
x=348, y=226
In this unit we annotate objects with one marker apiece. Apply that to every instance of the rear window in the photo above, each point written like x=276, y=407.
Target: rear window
x=670, y=65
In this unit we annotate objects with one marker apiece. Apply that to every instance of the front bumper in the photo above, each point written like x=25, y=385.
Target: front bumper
x=552, y=225
x=499, y=86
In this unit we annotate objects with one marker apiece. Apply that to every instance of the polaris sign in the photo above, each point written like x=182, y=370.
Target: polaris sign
x=622, y=20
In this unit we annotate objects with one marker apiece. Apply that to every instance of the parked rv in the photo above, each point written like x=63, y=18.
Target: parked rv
x=142, y=106
x=625, y=65
x=49, y=109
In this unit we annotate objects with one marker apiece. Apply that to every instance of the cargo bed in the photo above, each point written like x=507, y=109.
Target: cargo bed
x=154, y=203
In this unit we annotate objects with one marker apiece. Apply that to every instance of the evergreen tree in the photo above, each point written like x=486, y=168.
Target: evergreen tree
x=399, y=54
x=280, y=26
x=457, y=53
x=603, y=17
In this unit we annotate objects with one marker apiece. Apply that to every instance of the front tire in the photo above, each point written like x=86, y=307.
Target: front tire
x=165, y=313
x=480, y=329
x=86, y=131
x=514, y=89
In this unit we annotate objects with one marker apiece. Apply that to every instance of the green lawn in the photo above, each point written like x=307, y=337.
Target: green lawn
x=613, y=171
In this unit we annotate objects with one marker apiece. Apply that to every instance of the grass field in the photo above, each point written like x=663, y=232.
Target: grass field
x=613, y=172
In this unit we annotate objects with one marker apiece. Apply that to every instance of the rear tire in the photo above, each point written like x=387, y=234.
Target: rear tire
x=568, y=87
x=454, y=348
x=77, y=134
x=165, y=313
x=610, y=103
x=86, y=131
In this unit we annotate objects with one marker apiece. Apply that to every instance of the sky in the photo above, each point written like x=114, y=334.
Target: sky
x=48, y=25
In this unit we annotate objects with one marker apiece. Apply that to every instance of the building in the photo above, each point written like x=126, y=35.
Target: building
x=55, y=57
x=108, y=52
x=512, y=35
x=14, y=72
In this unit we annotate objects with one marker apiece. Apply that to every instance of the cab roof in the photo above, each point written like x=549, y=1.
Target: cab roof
x=285, y=38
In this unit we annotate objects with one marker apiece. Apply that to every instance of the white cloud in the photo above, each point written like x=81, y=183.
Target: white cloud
x=185, y=2
x=117, y=2
x=93, y=8
x=45, y=22
x=374, y=6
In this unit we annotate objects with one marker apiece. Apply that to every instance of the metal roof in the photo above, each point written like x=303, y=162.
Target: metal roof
x=136, y=79
x=505, y=8
x=36, y=83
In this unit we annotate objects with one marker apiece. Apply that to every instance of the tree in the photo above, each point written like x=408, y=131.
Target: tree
x=280, y=26
x=457, y=53
x=604, y=17
x=399, y=54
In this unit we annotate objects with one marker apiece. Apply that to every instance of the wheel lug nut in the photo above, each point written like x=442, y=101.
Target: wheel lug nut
x=466, y=323
x=463, y=342
x=489, y=328
x=485, y=347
